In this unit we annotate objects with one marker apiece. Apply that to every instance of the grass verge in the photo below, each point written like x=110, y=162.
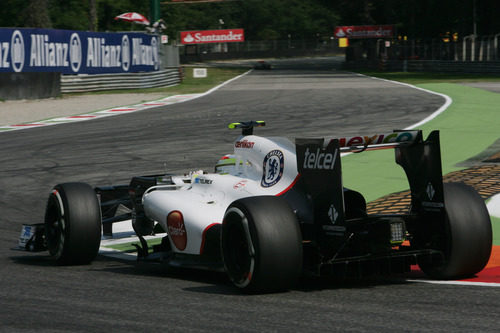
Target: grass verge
x=419, y=78
x=495, y=223
x=466, y=128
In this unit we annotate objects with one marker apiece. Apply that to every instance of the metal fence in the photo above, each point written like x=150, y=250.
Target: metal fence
x=84, y=83
x=258, y=49
x=470, y=48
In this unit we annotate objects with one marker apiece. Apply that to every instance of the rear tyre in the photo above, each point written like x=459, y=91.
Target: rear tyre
x=73, y=224
x=467, y=235
x=261, y=244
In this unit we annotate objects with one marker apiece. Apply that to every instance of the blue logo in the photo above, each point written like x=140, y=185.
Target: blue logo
x=17, y=51
x=75, y=52
x=274, y=164
x=125, y=53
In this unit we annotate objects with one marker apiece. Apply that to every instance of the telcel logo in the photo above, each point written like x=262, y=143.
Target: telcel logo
x=319, y=160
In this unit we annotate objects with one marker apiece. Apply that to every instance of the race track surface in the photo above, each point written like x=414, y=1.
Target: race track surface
x=113, y=295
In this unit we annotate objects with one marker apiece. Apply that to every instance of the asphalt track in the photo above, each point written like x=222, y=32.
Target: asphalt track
x=110, y=295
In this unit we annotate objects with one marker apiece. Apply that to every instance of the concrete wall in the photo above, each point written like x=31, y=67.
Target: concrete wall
x=29, y=85
x=169, y=55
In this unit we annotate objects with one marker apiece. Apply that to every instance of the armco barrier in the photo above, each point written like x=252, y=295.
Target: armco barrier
x=98, y=82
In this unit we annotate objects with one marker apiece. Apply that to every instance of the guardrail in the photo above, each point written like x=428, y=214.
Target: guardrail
x=98, y=82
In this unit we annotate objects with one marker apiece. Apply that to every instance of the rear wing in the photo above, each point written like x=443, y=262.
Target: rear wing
x=319, y=165
x=379, y=141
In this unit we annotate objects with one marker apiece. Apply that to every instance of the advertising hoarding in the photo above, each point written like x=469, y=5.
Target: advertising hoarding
x=77, y=52
x=364, y=31
x=212, y=36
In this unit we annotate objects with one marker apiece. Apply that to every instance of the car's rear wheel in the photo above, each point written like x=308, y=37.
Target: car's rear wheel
x=261, y=244
x=467, y=235
x=73, y=224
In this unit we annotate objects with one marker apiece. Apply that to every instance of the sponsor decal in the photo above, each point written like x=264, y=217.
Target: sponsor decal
x=432, y=204
x=204, y=181
x=75, y=52
x=70, y=52
x=17, y=51
x=240, y=184
x=125, y=53
x=144, y=54
x=244, y=144
x=364, y=31
x=177, y=230
x=273, y=166
x=319, y=159
x=333, y=214
x=332, y=230
x=212, y=36
x=408, y=136
x=430, y=191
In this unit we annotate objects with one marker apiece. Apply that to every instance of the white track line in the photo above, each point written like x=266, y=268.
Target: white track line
x=457, y=283
x=176, y=99
x=448, y=100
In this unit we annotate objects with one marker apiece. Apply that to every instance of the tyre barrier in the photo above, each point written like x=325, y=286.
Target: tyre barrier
x=98, y=82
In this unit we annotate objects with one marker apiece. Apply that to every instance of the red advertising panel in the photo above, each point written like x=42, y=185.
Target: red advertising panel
x=212, y=36
x=364, y=31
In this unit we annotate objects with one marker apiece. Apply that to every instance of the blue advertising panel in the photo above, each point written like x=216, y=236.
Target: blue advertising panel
x=77, y=52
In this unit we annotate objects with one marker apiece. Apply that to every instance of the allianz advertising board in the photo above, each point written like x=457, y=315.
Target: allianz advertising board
x=77, y=52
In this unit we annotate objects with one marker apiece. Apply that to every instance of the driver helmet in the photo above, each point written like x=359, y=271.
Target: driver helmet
x=226, y=164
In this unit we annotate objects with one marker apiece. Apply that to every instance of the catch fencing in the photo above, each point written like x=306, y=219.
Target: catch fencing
x=471, y=54
x=258, y=49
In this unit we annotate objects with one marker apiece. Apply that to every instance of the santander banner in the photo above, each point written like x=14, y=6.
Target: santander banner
x=212, y=36
x=364, y=31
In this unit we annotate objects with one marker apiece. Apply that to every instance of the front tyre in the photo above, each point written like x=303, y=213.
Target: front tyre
x=73, y=224
x=261, y=244
x=467, y=235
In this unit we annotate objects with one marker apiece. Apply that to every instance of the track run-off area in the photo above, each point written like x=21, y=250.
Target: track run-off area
x=295, y=99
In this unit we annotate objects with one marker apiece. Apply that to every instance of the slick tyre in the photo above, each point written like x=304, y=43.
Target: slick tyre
x=73, y=224
x=467, y=237
x=261, y=244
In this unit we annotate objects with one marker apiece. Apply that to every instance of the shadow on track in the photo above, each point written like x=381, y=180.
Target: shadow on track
x=216, y=282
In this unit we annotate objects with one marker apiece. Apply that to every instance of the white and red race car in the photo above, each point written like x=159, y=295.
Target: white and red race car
x=274, y=210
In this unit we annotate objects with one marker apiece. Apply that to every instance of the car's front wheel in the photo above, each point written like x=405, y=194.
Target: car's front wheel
x=73, y=223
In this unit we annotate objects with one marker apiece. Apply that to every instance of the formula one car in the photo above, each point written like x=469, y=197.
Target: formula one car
x=275, y=210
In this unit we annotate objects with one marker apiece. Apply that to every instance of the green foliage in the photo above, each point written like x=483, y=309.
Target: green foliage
x=69, y=14
x=272, y=19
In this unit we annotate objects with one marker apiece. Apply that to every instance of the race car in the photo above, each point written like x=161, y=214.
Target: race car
x=275, y=210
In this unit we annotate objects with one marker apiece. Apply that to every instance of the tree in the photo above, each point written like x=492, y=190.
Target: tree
x=37, y=14
x=92, y=15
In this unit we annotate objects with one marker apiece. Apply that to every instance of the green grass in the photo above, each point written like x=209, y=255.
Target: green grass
x=419, y=78
x=189, y=85
x=495, y=223
x=467, y=127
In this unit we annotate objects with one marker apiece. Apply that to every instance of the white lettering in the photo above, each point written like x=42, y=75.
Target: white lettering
x=142, y=54
x=319, y=160
x=44, y=53
x=4, y=53
x=90, y=52
x=230, y=37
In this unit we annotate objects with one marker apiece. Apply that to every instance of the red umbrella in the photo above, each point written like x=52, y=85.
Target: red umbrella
x=133, y=17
